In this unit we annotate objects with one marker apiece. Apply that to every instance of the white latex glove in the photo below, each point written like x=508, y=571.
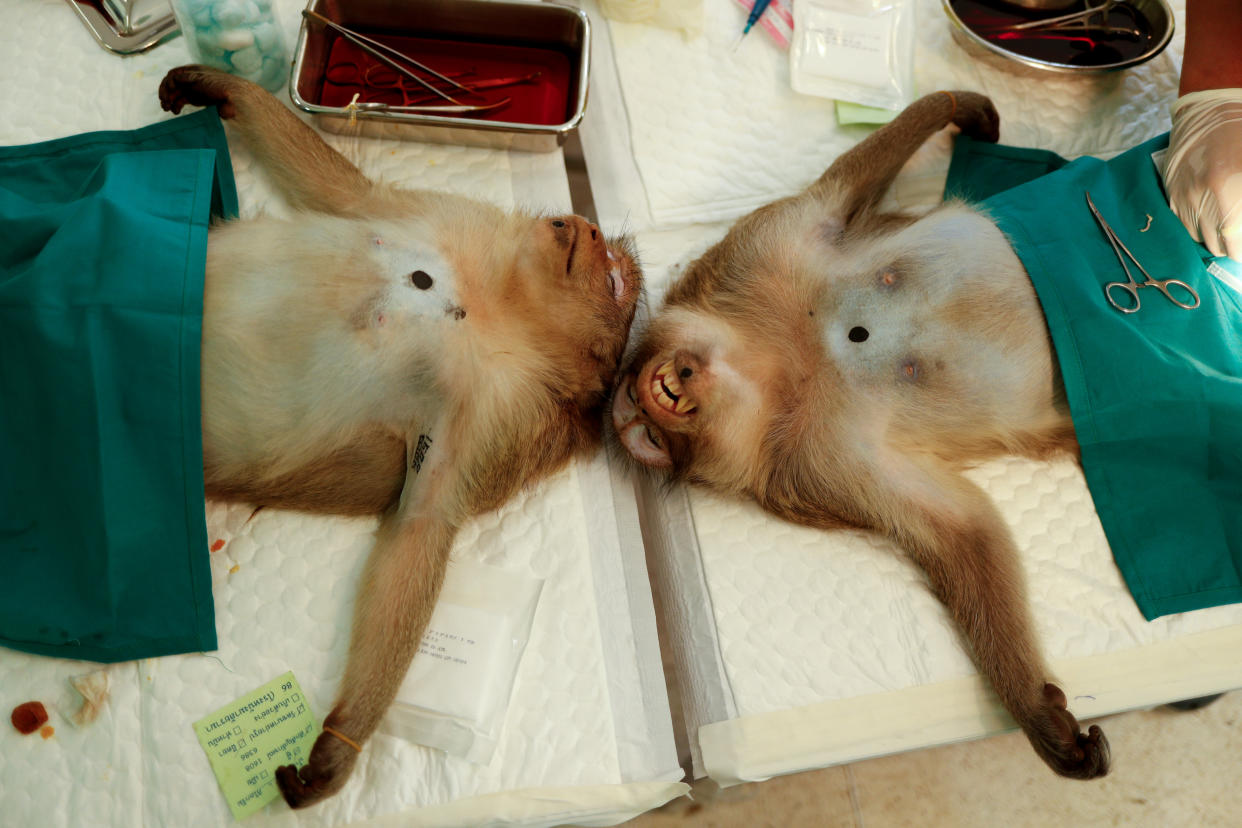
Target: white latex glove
x=1203, y=173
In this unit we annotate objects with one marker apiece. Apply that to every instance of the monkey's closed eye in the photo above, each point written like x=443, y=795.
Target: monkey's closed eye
x=558, y=223
x=655, y=441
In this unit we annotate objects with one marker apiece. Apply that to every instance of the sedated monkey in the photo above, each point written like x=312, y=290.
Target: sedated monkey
x=842, y=366
x=410, y=354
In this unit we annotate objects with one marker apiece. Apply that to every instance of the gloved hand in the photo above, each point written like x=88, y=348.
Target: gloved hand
x=1203, y=172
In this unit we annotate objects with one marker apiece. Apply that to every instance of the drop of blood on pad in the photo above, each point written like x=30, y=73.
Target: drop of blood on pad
x=28, y=717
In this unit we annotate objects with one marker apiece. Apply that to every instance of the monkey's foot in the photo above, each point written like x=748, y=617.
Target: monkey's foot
x=976, y=116
x=330, y=764
x=198, y=86
x=1055, y=735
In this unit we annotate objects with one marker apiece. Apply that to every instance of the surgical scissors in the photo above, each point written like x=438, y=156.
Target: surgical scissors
x=1130, y=286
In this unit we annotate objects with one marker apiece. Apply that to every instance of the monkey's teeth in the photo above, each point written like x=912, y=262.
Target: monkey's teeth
x=665, y=383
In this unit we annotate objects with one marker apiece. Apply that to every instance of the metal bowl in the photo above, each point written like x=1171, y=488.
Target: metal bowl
x=1157, y=13
x=1043, y=5
x=548, y=26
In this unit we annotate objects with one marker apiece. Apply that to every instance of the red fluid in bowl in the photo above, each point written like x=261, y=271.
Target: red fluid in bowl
x=543, y=100
x=1122, y=35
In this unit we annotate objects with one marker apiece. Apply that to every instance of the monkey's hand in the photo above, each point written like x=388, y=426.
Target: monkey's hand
x=1055, y=735
x=976, y=116
x=200, y=86
x=326, y=772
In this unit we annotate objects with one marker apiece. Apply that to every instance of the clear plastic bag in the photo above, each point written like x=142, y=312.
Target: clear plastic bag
x=861, y=51
x=457, y=691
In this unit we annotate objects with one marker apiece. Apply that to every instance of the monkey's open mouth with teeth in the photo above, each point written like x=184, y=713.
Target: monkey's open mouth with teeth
x=667, y=391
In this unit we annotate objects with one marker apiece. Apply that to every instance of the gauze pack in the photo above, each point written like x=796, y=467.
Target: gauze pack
x=860, y=51
x=456, y=693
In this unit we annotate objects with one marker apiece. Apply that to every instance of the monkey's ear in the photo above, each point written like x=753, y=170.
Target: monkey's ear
x=643, y=448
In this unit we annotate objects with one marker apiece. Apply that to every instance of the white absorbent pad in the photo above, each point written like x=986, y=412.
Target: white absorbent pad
x=587, y=737
x=798, y=648
x=717, y=132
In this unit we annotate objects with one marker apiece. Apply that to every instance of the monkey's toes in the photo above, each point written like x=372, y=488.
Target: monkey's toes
x=304, y=787
x=326, y=771
x=291, y=787
x=1092, y=754
x=1068, y=751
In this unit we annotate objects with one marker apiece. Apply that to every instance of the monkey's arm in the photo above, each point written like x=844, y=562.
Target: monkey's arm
x=396, y=596
x=859, y=178
x=960, y=541
x=310, y=174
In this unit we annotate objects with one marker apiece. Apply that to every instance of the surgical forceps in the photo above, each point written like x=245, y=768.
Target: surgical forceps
x=1130, y=286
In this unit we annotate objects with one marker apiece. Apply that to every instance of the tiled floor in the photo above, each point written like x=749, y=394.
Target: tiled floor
x=1171, y=769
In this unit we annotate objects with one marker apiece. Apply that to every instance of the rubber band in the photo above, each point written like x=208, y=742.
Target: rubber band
x=338, y=734
x=954, y=100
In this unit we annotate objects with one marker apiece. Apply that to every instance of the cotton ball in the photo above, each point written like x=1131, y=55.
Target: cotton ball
x=273, y=71
x=209, y=51
x=233, y=13
x=200, y=13
x=247, y=61
x=267, y=37
x=235, y=39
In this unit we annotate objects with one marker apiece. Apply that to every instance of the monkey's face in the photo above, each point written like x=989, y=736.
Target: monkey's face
x=697, y=399
x=731, y=360
x=582, y=289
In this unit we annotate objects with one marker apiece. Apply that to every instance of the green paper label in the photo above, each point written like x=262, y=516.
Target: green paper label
x=246, y=742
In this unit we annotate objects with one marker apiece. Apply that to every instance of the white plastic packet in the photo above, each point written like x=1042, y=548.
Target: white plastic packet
x=861, y=51
x=457, y=691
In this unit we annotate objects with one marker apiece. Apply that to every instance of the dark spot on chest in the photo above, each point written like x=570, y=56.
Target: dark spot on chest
x=421, y=280
x=858, y=334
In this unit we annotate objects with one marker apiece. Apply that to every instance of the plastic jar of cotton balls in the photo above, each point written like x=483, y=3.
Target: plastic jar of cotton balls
x=239, y=36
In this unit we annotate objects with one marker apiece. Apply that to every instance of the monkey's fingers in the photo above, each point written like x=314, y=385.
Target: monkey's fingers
x=329, y=767
x=976, y=116
x=197, y=86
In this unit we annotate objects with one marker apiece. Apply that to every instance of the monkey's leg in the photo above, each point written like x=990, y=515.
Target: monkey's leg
x=860, y=177
x=970, y=560
x=395, y=600
x=310, y=174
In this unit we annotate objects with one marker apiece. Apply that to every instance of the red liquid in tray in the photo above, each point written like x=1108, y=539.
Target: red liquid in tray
x=1092, y=45
x=543, y=100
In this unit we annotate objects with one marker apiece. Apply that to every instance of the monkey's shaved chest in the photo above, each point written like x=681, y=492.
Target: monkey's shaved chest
x=415, y=288
x=955, y=342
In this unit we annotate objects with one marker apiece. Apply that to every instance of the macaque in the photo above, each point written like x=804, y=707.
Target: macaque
x=842, y=366
x=414, y=355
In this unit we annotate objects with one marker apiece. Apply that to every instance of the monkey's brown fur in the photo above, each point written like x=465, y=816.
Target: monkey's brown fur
x=842, y=366
x=334, y=381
